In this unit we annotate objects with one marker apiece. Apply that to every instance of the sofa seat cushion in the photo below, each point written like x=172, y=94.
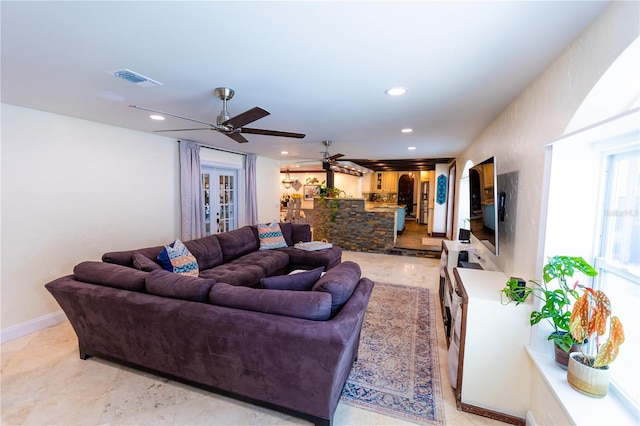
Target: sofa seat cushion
x=167, y=284
x=207, y=251
x=312, y=259
x=238, y=242
x=111, y=275
x=299, y=304
x=340, y=282
x=270, y=261
x=239, y=274
x=299, y=281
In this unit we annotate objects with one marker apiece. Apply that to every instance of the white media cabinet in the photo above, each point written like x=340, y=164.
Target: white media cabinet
x=487, y=360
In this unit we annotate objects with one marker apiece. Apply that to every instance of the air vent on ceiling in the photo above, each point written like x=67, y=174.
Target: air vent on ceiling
x=135, y=78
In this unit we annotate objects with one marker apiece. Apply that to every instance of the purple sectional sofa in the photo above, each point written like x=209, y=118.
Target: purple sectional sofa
x=286, y=342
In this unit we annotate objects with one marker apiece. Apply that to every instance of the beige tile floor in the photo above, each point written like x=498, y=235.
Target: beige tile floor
x=44, y=382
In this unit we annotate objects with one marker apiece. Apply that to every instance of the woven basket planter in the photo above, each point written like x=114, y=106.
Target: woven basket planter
x=590, y=381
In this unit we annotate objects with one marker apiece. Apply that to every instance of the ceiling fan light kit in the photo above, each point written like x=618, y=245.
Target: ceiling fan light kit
x=227, y=125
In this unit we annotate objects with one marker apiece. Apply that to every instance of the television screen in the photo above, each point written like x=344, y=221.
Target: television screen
x=483, y=202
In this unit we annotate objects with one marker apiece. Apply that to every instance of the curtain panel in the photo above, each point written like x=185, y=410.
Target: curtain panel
x=251, y=192
x=191, y=194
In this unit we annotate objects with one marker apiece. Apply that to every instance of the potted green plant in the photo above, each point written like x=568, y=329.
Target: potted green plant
x=588, y=373
x=555, y=302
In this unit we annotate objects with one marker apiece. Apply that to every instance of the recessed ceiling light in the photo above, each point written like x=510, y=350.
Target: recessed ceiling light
x=396, y=91
x=156, y=117
x=411, y=148
x=284, y=152
x=407, y=130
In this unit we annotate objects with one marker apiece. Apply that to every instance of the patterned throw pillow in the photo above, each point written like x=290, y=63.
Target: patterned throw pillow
x=176, y=258
x=271, y=236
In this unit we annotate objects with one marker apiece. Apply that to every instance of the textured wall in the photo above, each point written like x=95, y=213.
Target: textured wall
x=540, y=115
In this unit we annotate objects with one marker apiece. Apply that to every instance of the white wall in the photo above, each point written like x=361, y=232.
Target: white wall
x=268, y=187
x=351, y=185
x=72, y=190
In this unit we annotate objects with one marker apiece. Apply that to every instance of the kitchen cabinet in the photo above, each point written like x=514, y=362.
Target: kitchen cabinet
x=487, y=360
x=390, y=181
x=384, y=182
x=487, y=171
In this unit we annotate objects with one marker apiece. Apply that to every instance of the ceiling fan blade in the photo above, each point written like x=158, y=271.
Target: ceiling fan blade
x=335, y=157
x=246, y=117
x=172, y=115
x=272, y=133
x=237, y=137
x=183, y=130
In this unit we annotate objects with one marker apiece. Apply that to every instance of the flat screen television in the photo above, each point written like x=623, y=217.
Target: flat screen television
x=483, y=203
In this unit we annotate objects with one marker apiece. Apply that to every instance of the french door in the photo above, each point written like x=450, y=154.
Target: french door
x=220, y=199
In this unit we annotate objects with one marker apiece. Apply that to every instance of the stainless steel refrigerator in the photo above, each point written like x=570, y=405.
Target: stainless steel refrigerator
x=424, y=203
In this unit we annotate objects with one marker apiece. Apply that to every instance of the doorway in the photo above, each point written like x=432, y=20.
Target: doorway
x=220, y=200
x=405, y=192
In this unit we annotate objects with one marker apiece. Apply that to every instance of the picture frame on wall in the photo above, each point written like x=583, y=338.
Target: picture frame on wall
x=310, y=191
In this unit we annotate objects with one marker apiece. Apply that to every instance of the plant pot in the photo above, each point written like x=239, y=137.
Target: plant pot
x=590, y=381
x=562, y=357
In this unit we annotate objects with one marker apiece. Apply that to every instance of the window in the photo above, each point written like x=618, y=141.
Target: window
x=618, y=260
x=593, y=211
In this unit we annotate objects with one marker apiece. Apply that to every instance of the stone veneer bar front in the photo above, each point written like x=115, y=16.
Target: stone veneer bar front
x=346, y=223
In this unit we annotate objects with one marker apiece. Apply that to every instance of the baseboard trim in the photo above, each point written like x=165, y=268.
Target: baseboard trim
x=19, y=330
x=529, y=420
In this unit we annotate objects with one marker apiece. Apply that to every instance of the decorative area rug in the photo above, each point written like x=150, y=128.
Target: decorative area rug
x=397, y=372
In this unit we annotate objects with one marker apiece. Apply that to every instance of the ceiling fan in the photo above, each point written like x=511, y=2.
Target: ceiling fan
x=227, y=125
x=328, y=160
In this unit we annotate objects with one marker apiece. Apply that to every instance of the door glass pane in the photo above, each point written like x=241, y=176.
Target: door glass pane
x=206, y=185
x=220, y=198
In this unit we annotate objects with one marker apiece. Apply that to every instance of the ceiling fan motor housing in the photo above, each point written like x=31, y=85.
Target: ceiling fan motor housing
x=224, y=93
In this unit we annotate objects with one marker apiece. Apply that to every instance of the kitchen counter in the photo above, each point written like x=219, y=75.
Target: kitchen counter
x=389, y=207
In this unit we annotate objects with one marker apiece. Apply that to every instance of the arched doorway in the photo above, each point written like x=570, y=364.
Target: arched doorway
x=405, y=192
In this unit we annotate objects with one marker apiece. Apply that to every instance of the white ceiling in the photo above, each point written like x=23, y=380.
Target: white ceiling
x=320, y=68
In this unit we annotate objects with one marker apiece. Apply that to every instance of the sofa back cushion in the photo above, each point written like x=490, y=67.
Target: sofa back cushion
x=238, y=242
x=207, y=251
x=339, y=282
x=285, y=227
x=111, y=275
x=143, y=263
x=300, y=232
x=125, y=258
x=311, y=305
x=167, y=284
